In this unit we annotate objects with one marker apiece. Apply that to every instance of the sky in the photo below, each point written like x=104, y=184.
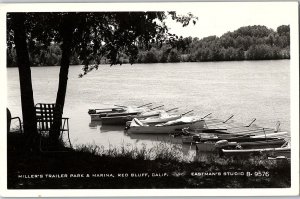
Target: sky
x=219, y=18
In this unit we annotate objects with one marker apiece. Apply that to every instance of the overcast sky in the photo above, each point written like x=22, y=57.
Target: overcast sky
x=219, y=18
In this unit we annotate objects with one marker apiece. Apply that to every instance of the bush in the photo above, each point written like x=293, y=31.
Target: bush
x=260, y=52
x=173, y=56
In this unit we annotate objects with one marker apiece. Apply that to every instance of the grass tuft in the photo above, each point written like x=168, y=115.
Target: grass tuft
x=131, y=159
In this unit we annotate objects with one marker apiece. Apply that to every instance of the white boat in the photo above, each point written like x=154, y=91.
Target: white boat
x=270, y=135
x=122, y=119
x=162, y=118
x=247, y=144
x=154, y=113
x=281, y=160
x=192, y=122
x=189, y=137
x=274, y=152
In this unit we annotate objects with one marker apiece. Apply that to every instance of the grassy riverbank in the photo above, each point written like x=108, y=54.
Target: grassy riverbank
x=91, y=167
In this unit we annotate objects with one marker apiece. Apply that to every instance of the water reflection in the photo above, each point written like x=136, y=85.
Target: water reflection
x=94, y=124
x=111, y=128
x=105, y=128
x=155, y=137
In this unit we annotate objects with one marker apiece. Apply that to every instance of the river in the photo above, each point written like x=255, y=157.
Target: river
x=247, y=89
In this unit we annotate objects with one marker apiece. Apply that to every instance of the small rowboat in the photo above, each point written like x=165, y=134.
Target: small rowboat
x=274, y=152
x=121, y=119
x=165, y=128
x=100, y=116
x=192, y=137
x=163, y=117
x=156, y=120
x=97, y=114
x=246, y=144
x=106, y=110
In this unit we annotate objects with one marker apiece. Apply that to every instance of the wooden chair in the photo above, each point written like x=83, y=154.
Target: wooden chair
x=45, y=117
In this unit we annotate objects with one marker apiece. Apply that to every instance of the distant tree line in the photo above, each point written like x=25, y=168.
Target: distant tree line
x=246, y=43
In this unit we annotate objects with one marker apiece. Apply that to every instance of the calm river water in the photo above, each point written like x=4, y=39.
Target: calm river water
x=247, y=89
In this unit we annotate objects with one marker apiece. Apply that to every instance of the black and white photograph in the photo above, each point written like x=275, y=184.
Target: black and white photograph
x=164, y=98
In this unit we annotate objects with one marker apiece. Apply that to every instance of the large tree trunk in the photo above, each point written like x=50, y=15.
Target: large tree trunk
x=66, y=32
x=28, y=110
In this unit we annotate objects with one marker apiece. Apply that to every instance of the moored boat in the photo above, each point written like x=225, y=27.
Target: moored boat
x=111, y=116
x=273, y=152
x=156, y=120
x=193, y=123
x=121, y=119
x=163, y=117
x=97, y=114
x=239, y=144
x=192, y=137
x=106, y=110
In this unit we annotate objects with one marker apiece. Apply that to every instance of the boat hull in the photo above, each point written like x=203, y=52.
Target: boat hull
x=123, y=119
x=275, y=152
x=106, y=111
x=95, y=117
x=98, y=114
x=112, y=116
x=194, y=138
x=155, y=121
x=212, y=146
x=165, y=129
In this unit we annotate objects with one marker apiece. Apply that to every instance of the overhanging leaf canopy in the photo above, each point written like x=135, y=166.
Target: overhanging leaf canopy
x=98, y=34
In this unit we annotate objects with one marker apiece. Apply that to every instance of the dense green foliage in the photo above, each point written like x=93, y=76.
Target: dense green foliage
x=97, y=37
x=246, y=43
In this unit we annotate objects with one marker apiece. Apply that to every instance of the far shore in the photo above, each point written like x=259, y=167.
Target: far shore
x=166, y=63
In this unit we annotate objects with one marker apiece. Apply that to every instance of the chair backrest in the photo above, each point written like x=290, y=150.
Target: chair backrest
x=44, y=116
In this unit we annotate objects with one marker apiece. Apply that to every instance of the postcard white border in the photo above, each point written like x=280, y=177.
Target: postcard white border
x=155, y=6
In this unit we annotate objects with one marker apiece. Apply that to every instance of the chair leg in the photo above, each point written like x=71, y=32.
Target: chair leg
x=69, y=140
x=41, y=148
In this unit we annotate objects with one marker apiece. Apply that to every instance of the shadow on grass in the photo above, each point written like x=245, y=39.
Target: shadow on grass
x=92, y=167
